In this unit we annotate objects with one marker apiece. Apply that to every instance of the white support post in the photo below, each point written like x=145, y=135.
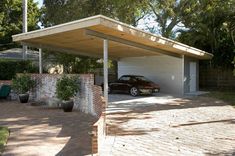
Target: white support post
x=183, y=77
x=106, y=71
x=25, y=25
x=24, y=52
x=25, y=11
x=40, y=61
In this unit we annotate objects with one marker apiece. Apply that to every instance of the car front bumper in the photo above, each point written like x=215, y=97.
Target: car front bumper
x=149, y=90
x=156, y=90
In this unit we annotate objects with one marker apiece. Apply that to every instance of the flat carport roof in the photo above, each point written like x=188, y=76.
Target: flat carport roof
x=85, y=37
x=99, y=35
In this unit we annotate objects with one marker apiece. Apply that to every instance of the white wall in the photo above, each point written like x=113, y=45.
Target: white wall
x=163, y=70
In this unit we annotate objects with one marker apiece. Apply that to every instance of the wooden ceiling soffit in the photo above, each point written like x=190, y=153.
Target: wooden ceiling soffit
x=130, y=43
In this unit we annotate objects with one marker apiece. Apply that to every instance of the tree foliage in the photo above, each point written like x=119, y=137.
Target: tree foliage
x=66, y=87
x=73, y=63
x=9, y=68
x=209, y=28
x=22, y=83
x=128, y=11
x=167, y=14
x=11, y=20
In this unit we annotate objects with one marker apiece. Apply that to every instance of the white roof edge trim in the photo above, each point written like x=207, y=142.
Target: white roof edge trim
x=184, y=46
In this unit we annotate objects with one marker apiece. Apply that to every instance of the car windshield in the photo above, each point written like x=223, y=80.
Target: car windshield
x=141, y=78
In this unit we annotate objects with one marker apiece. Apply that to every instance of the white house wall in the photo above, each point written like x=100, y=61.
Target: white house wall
x=163, y=70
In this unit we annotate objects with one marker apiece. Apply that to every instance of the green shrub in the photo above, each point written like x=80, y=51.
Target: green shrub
x=4, y=134
x=66, y=88
x=9, y=68
x=22, y=83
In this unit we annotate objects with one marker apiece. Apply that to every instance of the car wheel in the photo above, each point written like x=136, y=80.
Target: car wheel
x=134, y=91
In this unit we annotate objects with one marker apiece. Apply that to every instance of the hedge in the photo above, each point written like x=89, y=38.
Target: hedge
x=9, y=68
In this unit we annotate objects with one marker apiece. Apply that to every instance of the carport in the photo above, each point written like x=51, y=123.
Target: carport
x=99, y=36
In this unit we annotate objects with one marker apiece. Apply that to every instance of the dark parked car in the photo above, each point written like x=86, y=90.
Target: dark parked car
x=134, y=84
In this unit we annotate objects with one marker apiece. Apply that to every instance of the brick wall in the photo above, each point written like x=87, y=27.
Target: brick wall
x=97, y=100
x=7, y=82
x=85, y=100
x=99, y=129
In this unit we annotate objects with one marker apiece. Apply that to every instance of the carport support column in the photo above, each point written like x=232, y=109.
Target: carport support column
x=106, y=71
x=183, y=77
x=40, y=61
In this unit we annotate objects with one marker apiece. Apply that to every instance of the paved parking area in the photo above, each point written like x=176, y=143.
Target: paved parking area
x=37, y=131
x=166, y=125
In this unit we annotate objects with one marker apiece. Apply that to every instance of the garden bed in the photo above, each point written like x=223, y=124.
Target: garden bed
x=4, y=134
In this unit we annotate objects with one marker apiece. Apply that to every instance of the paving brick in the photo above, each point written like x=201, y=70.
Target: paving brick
x=169, y=126
x=36, y=131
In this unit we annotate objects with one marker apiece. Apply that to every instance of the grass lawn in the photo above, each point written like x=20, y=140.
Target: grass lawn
x=227, y=96
x=4, y=134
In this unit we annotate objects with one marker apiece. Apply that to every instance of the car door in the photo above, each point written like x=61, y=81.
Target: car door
x=122, y=84
x=115, y=86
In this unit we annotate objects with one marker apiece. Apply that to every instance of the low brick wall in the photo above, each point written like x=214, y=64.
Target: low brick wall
x=6, y=82
x=99, y=129
x=97, y=100
x=86, y=99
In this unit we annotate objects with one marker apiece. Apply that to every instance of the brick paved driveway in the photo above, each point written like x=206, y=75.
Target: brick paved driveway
x=37, y=131
x=164, y=125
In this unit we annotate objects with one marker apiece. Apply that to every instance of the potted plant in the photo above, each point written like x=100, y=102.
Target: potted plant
x=22, y=83
x=66, y=89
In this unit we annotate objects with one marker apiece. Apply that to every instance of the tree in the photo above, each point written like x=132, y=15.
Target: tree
x=208, y=29
x=231, y=28
x=11, y=20
x=167, y=15
x=61, y=11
